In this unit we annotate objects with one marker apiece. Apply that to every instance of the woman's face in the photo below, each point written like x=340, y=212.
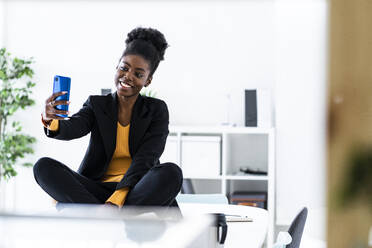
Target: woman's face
x=132, y=75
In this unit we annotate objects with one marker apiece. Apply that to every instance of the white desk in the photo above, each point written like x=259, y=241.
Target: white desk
x=99, y=227
x=89, y=226
x=239, y=234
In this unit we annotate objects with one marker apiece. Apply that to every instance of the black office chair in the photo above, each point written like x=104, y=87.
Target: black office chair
x=187, y=187
x=297, y=228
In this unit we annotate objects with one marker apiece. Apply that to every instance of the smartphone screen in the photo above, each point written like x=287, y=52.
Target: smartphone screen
x=61, y=83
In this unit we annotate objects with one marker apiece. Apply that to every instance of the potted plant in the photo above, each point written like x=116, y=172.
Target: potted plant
x=357, y=183
x=149, y=93
x=15, y=90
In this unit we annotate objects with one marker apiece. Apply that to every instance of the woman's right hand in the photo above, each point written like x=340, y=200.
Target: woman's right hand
x=50, y=112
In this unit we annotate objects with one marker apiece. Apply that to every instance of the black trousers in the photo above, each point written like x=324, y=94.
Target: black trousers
x=158, y=187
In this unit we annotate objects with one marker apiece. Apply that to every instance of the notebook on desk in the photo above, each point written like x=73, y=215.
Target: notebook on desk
x=238, y=218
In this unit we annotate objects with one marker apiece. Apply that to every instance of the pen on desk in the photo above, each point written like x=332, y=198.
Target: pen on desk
x=236, y=215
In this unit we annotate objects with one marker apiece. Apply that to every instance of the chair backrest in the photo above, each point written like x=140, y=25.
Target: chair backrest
x=187, y=187
x=297, y=228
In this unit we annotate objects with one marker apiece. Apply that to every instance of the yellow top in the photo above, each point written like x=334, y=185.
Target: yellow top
x=119, y=164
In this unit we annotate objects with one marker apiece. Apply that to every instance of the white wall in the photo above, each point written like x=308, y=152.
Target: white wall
x=217, y=48
x=300, y=111
x=2, y=23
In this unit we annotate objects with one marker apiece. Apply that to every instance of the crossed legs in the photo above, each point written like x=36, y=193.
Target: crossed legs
x=158, y=187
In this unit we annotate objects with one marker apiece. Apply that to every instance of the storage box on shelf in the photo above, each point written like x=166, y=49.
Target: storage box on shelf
x=212, y=157
x=201, y=156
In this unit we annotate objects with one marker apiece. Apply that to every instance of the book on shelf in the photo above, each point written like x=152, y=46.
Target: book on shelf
x=247, y=198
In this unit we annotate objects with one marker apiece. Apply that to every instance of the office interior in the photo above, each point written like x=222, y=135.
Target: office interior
x=307, y=61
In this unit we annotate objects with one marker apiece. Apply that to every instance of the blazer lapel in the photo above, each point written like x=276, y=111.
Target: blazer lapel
x=138, y=124
x=108, y=125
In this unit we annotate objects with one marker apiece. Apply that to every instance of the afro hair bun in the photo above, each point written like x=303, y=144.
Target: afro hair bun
x=151, y=35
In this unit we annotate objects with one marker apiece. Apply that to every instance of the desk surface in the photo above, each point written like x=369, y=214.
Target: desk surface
x=97, y=226
x=107, y=228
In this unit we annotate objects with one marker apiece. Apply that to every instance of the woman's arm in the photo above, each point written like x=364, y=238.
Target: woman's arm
x=78, y=125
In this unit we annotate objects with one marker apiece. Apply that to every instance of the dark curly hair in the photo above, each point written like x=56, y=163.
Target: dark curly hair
x=148, y=43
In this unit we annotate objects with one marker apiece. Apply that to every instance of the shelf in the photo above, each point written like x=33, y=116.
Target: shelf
x=216, y=153
x=203, y=177
x=247, y=177
x=231, y=177
x=219, y=129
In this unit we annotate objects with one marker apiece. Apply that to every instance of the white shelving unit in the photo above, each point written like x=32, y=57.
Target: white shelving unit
x=238, y=146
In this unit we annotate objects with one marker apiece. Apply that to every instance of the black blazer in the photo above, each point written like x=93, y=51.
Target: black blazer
x=99, y=115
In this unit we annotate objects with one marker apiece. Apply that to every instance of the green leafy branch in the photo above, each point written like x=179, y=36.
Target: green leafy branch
x=357, y=183
x=149, y=93
x=15, y=91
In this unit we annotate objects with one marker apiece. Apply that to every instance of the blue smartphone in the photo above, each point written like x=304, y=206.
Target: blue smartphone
x=61, y=83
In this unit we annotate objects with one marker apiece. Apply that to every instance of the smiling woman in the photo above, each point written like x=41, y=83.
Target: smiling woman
x=128, y=133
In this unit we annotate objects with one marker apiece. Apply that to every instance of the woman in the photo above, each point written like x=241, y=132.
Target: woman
x=128, y=134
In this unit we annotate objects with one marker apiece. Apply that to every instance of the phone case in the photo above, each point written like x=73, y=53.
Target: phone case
x=61, y=83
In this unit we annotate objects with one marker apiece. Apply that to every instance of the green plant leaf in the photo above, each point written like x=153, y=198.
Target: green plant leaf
x=13, y=144
x=27, y=164
x=2, y=75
